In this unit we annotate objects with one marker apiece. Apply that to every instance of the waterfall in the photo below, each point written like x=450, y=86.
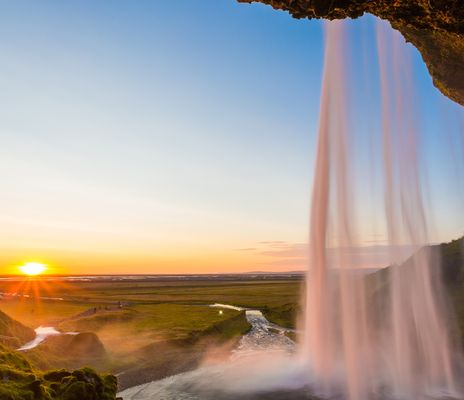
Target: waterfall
x=407, y=353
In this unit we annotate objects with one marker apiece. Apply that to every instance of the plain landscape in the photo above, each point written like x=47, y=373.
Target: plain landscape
x=142, y=329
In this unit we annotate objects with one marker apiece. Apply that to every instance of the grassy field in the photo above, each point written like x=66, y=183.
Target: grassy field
x=163, y=307
x=144, y=330
x=247, y=293
x=149, y=329
x=36, y=313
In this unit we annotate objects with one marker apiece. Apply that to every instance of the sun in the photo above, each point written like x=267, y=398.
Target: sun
x=32, y=268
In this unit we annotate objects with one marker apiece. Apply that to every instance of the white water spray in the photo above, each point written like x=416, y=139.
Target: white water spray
x=409, y=355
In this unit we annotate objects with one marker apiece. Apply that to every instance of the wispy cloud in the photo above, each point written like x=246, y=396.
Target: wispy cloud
x=284, y=249
x=285, y=255
x=294, y=263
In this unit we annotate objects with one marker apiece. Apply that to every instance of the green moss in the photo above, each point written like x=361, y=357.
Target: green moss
x=227, y=329
x=284, y=315
x=18, y=381
x=87, y=384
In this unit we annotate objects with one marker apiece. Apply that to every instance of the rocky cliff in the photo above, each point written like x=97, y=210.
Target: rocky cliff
x=435, y=27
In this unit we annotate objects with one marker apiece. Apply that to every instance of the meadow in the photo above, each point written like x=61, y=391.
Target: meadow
x=143, y=329
x=165, y=305
x=148, y=329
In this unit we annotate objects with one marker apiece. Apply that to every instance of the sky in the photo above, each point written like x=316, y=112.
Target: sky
x=176, y=136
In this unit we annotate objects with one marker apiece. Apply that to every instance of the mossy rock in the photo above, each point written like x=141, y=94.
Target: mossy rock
x=19, y=381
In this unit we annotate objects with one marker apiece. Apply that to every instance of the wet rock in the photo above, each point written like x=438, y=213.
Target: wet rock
x=322, y=8
x=434, y=27
x=18, y=380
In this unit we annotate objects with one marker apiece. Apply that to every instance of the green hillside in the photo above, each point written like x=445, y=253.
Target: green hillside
x=447, y=267
x=448, y=262
x=452, y=254
x=20, y=381
x=12, y=333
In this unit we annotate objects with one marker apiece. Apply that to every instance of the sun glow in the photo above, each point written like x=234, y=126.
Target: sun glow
x=32, y=268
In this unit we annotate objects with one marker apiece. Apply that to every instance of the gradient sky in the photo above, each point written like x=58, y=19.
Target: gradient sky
x=174, y=136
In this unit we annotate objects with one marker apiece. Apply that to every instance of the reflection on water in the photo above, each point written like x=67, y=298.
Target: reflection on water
x=42, y=333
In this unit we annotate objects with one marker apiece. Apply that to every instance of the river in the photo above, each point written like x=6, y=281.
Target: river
x=42, y=333
x=265, y=347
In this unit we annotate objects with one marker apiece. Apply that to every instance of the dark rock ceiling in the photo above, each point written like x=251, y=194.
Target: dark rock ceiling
x=435, y=27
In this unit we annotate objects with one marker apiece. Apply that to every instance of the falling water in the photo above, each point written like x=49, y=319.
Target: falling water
x=407, y=353
x=362, y=341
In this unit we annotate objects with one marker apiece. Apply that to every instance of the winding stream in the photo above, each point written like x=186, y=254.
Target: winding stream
x=265, y=344
x=42, y=333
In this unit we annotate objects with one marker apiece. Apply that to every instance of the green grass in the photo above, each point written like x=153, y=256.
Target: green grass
x=167, y=327
x=447, y=266
x=247, y=293
x=13, y=333
x=157, y=340
x=20, y=381
x=156, y=310
x=285, y=315
x=35, y=313
x=453, y=276
x=169, y=319
x=179, y=335
x=146, y=324
x=178, y=355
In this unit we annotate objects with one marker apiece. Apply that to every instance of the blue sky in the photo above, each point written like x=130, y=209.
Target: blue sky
x=164, y=136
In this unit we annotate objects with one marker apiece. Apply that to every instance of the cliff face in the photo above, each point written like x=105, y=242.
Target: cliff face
x=435, y=27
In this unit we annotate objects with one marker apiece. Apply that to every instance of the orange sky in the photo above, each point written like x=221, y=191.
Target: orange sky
x=272, y=256
x=235, y=260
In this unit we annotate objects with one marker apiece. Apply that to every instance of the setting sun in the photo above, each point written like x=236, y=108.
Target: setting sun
x=33, y=268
